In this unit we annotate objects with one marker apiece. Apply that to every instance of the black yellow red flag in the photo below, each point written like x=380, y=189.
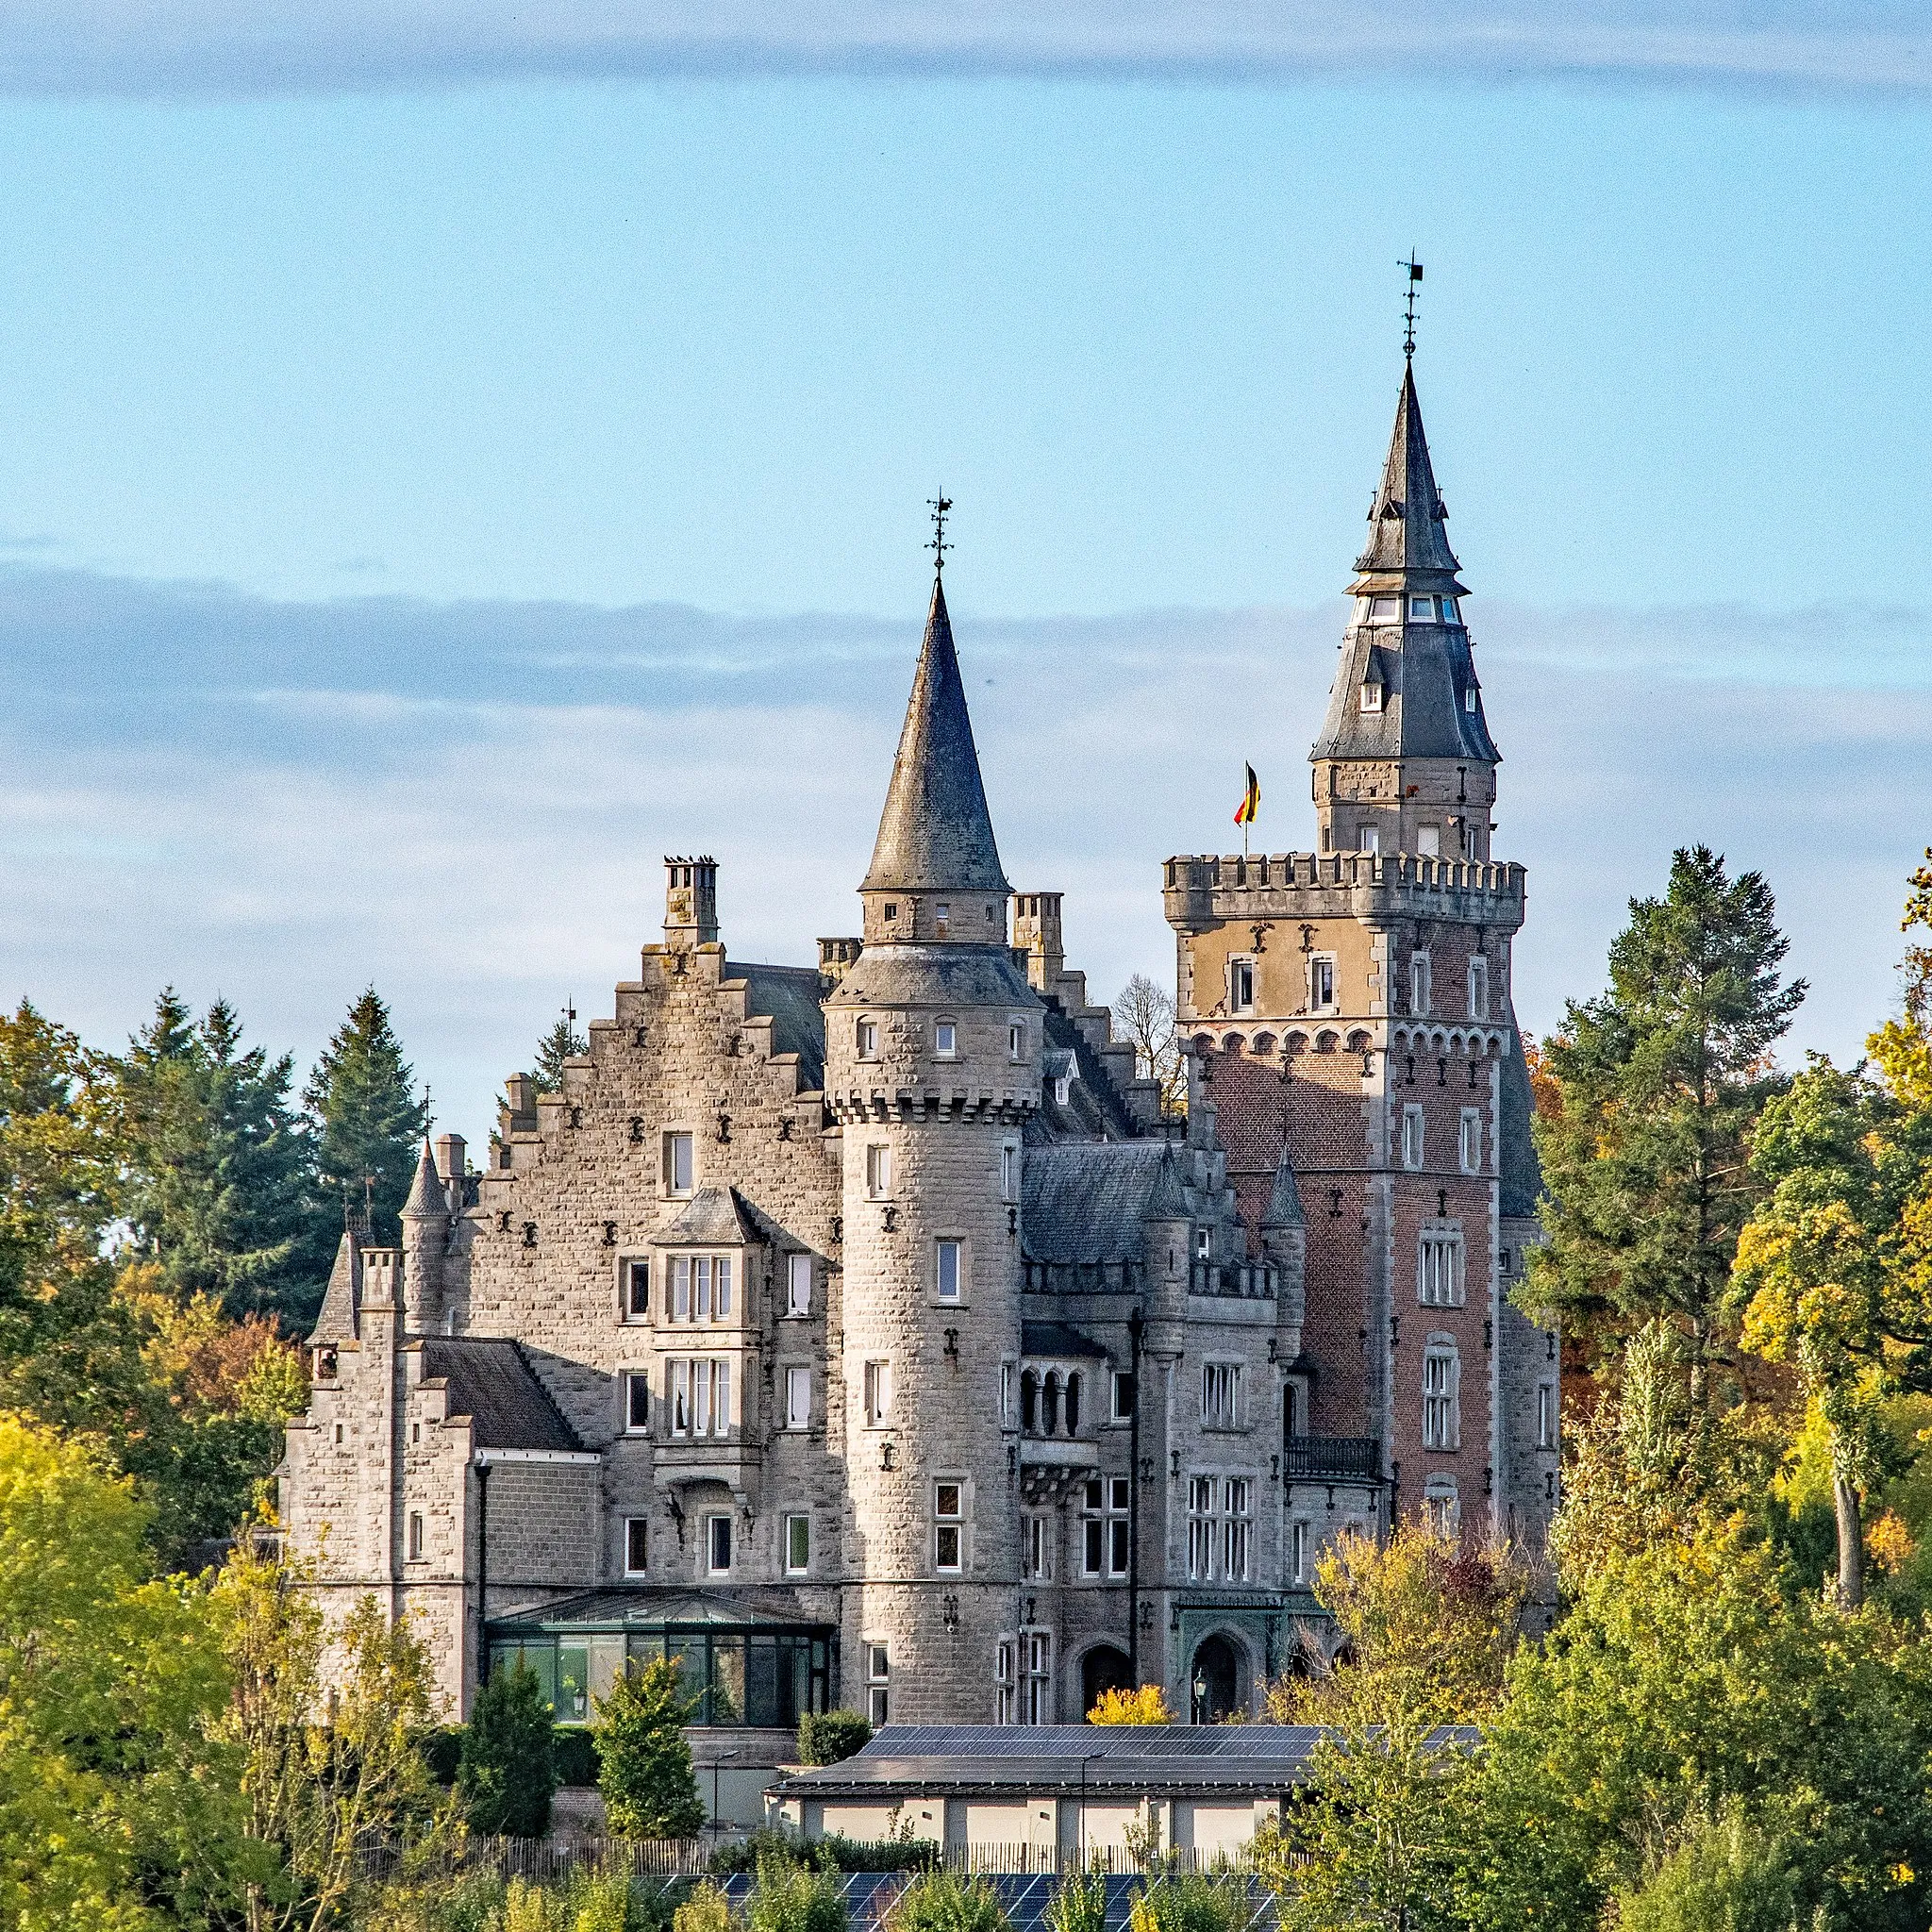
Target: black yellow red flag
x=1251, y=800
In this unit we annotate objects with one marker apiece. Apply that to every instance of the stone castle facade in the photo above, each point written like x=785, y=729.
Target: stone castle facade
x=861, y=1334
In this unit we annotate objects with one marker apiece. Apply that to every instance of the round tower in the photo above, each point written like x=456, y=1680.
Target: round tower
x=425, y=1239
x=933, y=1044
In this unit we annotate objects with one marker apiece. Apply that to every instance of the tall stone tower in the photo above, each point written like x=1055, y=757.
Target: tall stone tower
x=1351, y=1011
x=933, y=1042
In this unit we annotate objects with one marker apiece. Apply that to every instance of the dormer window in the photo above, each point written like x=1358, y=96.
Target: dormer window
x=1385, y=610
x=1372, y=697
x=1450, y=613
x=1469, y=699
x=1421, y=610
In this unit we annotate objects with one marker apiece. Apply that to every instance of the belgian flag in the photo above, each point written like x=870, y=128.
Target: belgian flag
x=1251, y=800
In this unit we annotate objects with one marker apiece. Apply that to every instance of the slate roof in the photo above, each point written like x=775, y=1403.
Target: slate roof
x=1407, y=531
x=936, y=833
x=429, y=1197
x=1058, y=1338
x=1097, y=1105
x=490, y=1381
x=340, y=1318
x=1087, y=1201
x=713, y=1217
x=790, y=994
x=1285, y=1204
x=936, y=975
x=1522, y=1176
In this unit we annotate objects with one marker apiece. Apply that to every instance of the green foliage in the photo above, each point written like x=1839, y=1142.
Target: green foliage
x=830, y=1737
x=1078, y=1903
x=576, y=1757
x=704, y=1910
x=562, y=1042
x=507, y=1772
x=840, y=1853
x=948, y=1902
x=645, y=1758
x=369, y=1124
x=116, y=1810
x=1661, y=1080
x=218, y=1179
x=1725, y=1875
x=789, y=1896
x=1191, y=1901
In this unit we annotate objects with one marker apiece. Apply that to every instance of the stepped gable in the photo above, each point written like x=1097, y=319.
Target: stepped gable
x=789, y=996
x=936, y=832
x=1096, y=1109
x=490, y=1381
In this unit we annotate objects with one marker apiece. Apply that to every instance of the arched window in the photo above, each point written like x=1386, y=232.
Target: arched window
x=1030, y=1401
x=1073, y=1404
x=1050, y=1416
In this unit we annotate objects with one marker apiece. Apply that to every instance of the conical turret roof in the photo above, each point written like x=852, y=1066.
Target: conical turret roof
x=427, y=1196
x=1406, y=525
x=936, y=834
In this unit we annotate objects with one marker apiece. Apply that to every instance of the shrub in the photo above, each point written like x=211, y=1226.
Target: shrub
x=949, y=1901
x=507, y=1773
x=1079, y=1904
x=593, y=1904
x=704, y=1910
x=791, y=1897
x=443, y=1751
x=576, y=1757
x=644, y=1767
x=1190, y=1902
x=830, y=1737
x=1724, y=1873
x=1146, y=1705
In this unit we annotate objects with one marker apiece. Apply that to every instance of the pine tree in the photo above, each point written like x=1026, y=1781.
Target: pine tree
x=220, y=1186
x=562, y=1042
x=1661, y=1079
x=369, y=1125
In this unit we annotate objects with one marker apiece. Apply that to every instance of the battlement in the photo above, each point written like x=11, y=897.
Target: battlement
x=1204, y=890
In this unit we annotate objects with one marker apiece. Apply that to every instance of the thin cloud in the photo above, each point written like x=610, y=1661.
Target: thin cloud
x=218, y=46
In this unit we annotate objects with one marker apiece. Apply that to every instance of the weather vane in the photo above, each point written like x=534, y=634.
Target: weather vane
x=1415, y=276
x=938, y=504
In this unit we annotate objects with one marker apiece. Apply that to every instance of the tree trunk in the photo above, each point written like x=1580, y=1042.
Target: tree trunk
x=1851, y=1544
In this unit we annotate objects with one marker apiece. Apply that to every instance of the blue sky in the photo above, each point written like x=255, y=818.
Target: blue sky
x=448, y=459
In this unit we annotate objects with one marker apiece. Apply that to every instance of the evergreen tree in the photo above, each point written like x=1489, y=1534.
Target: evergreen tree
x=1661, y=1080
x=644, y=1769
x=369, y=1125
x=507, y=1772
x=220, y=1187
x=562, y=1042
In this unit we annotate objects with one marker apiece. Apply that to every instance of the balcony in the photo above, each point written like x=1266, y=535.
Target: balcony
x=1332, y=1459
x=1050, y=1466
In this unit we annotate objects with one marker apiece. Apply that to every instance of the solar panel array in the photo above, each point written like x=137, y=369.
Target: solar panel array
x=1250, y=1741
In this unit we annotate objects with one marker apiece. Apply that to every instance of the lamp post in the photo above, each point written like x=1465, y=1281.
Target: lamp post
x=717, y=1820
x=1092, y=1757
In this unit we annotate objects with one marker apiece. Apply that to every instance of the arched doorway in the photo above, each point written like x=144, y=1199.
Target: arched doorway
x=1214, y=1683
x=1103, y=1669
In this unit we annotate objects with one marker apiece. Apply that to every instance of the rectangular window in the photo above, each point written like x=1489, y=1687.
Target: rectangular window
x=1298, y=1553
x=1016, y=1040
x=879, y=1392
x=415, y=1536
x=948, y=1527
x=678, y=1163
x=637, y=1545
x=1006, y=1391
x=636, y=1290
x=1235, y=1529
x=1443, y=1506
x=798, y=1398
x=680, y=1373
x=721, y=1287
x=680, y=1288
x=947, y=1271
x=1368, y=839
x=700, y=1398
x=1422, y=610
x=1221, y=1396
x=1418, y=983
x=868, y=1040
x=1411, y=1137
x=1201, y=1497
x=1036, y=1536
x=1546, y=1415
x=1009, y=1170
x=1439, y=1281
x=797, y=1545
x=1429, y=840
x=878, y=1172
x=798, y=1285
x=700, y=1288
x=1241, y=984
x=946, y=1039
x=718, y=1545
x=1094, y=1548
x=1321, y=981
x=637, y=1401
x=877, y=1677
x=1035, y=1683
x=1117, y=1548
x=941, y=916
x=1469, y=1146
x=1385, y=610
x=1478, y=988
x=1440, y=1423
x=1372, y=697
x=1123, y=1396
x=1469, y=699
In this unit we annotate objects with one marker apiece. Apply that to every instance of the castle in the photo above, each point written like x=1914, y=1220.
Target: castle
x=862, y=1334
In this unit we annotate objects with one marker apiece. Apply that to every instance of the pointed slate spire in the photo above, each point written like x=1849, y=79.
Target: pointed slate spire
x=1285, y=1202
x=936, y=834
x=1406, y=526
x=340, y=1318
x=428, y=1200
